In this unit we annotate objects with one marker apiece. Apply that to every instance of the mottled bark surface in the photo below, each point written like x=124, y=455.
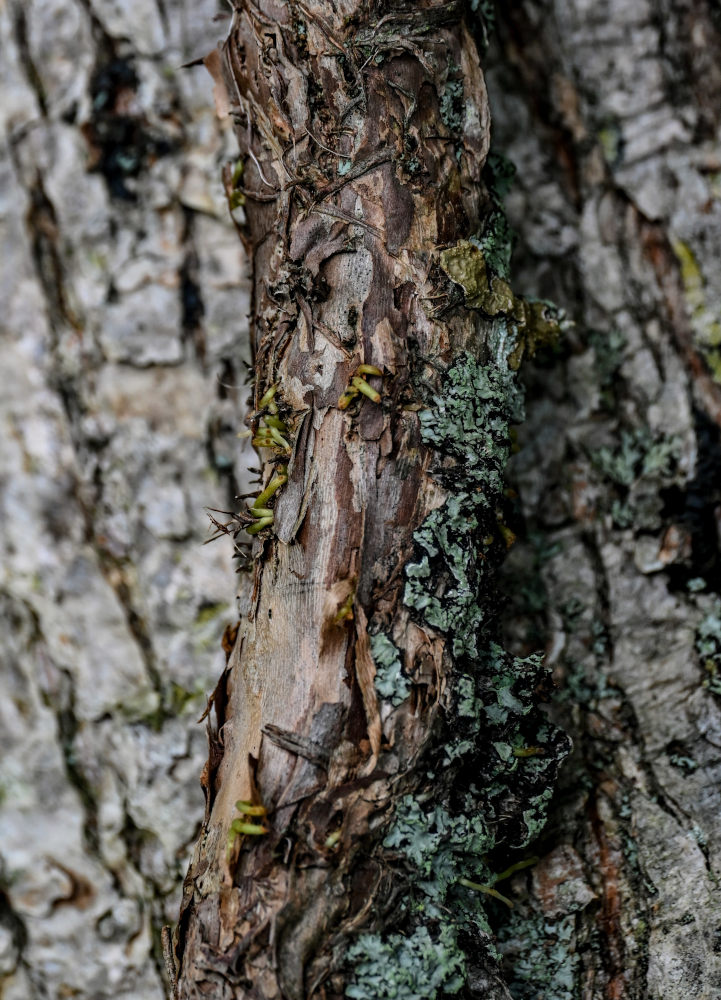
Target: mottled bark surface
x=122, y=328
x=610, y=112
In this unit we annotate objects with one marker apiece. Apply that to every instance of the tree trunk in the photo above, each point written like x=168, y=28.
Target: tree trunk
x=122, y=330
x=371, y=747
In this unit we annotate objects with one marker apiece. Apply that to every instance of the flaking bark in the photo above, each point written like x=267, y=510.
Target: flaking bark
x=363, y=136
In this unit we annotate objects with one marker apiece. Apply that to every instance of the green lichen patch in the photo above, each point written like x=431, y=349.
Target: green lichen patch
x=390, y=681
x=456, y=610
x=465, y=264
x=209, y=613
x=638, y=454
x=452, y=107
x=639, y=465
x=493, y=766
x=496, y=242
x=182, y=700
x=448, y=586
x=683, y=763
x=469, y=419
x=534, y=323
x=705, y=323
x=496, y=773
x=439, y=848
x=509, y=749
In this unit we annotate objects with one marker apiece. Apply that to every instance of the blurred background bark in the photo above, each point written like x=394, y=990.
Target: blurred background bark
x=610, y=112
x=123, y=326
x=122, y=334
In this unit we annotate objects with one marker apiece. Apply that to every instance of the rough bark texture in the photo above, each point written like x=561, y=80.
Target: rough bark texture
x=114, y=435
x=122, y=328
x=364, y=134
x=611, y=112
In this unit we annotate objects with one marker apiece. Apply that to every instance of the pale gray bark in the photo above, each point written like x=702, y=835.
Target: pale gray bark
x=122, y=321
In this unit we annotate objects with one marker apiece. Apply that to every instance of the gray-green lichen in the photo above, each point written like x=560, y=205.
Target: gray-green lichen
x=541, y=955
x=390, y=681
x=639, y=466
x=637, y=455
x=493, y=772
x=439, y=848
x=407, y=968
x=436, y=850
x=513, y=751
x=505, y=743
x=468, y=422
x=452, y=106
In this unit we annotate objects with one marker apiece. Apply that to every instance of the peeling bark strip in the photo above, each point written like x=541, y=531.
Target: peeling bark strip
x=365, y=719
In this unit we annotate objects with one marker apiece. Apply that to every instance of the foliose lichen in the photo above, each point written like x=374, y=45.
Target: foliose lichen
x=439, y=848
x=493, y=772
x=503, y=757
x=451, y=106
x=542, y=956
x=407, y=968
x=465, y=264
x=390, y=681
x=469, y=423
x=533, y=323
x=505, y=744
x=638, y=465
x=637, y=455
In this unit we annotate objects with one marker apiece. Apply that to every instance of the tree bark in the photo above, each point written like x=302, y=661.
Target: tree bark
x=611, y=115
x=117, y=431
x=121, y=339
x=348, y=719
